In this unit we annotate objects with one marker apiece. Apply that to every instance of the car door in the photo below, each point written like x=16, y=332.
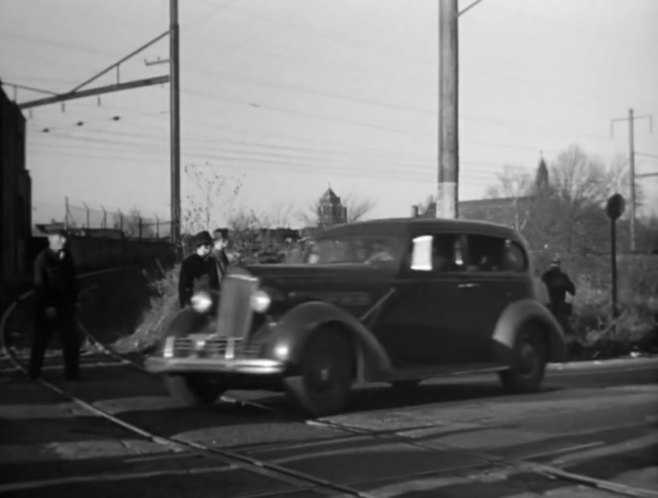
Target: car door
x=495, y=270
x=423, y=324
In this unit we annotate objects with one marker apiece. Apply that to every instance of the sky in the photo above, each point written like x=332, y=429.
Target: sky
x=286, y=97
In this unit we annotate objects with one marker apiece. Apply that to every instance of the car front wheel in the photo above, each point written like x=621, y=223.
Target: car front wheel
x=324, y=379
x=529, y=363
x=194, y=389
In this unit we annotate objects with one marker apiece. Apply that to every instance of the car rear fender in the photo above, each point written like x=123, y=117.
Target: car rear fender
x=294, y=328
x=512, y=321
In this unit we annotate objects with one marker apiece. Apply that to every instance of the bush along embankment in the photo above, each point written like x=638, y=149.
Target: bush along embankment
x=158, y=297
x=592, y=332
x=161, y=307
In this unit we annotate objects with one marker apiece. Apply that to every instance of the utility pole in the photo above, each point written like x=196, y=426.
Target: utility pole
x=448, y=174
x=631, y=162
x=631, y=172
x=174, y=97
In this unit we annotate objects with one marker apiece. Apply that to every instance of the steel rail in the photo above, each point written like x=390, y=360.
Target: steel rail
x=485, y=458
x=299, y=480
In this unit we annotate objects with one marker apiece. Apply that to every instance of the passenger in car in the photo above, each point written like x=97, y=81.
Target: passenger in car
x=381, y=253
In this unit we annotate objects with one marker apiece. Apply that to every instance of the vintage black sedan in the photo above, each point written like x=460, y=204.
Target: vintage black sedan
x=397, y=300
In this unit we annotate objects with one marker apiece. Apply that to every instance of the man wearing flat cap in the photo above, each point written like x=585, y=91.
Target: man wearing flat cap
x=198, y=269
x=558, y=285
x=55, y=299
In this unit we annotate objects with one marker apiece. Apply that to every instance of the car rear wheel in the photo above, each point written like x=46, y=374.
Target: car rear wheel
x=194, y=389
x=529, y=362
x=325, y=374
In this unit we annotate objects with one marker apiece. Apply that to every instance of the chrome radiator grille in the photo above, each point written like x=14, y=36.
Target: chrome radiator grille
x=235, y=314
x=213, y=347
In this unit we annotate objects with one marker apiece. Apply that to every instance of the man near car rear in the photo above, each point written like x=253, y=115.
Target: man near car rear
x=198, y=271
x=558, y=285
x=55, y=299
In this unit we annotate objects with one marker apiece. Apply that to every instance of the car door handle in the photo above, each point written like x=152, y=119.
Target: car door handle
x=468, y=286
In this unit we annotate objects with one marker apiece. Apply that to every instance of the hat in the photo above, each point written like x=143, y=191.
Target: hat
x=201, y=239
x=555, y=261
x=55, y=230
x=220, y=233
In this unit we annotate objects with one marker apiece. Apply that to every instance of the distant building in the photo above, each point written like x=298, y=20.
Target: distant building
x=503, y=210
x=331, y=210
x=15, y=194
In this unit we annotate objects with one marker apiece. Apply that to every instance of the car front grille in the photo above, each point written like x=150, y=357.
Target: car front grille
x=235, y=320
x=235, y=314
x=214, y=347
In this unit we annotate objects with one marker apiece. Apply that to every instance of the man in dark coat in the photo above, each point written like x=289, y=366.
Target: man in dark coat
x=198, y=269
x=558, y=284
x=220, y=237
x=55, y=299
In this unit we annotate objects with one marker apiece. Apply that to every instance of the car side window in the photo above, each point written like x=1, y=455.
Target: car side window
x=438, y=253
x=485, y=253
x=515, y=258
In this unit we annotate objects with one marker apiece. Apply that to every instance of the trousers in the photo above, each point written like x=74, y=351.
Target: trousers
x=66, y=325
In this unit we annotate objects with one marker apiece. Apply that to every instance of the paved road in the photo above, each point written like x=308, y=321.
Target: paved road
x=456, y=438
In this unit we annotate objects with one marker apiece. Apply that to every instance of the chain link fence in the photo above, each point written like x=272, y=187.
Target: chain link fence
x=90, y=221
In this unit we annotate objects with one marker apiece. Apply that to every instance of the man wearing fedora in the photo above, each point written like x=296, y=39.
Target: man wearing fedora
x=55, y=299
x=198, y=269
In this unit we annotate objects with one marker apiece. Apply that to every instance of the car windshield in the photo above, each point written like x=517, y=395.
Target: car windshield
x=354, y=249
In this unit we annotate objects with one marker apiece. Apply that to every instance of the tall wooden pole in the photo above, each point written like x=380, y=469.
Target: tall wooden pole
x=448, y=179
x=174, y=121
x=631, y=168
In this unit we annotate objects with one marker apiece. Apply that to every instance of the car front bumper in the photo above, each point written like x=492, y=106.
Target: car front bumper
x=249, y=366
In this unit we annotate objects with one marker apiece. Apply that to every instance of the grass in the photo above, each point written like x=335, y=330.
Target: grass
x=592, y=331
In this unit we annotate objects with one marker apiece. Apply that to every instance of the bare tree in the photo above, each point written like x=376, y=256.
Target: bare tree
x=518, y=187
x=511, y=184
x=210, y=195
x=281, y=215
x=566, y=215
x=357, y=209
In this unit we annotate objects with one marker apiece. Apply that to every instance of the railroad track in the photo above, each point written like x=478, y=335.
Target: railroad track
x=298, y=480
x=233, y=458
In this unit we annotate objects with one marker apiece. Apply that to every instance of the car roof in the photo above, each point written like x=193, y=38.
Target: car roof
x=404, y=226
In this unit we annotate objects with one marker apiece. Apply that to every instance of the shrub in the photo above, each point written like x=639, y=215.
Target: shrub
x=592, y=329
x=163, y=306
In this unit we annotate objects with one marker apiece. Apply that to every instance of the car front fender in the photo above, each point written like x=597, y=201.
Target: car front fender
x=294, y=328
x=511, y=322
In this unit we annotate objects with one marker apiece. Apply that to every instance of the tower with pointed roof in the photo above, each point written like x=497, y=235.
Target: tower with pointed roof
x=331, y=210
x=541, y=179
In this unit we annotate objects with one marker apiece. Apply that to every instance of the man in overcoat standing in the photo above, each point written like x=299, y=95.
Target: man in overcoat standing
x=55, y=305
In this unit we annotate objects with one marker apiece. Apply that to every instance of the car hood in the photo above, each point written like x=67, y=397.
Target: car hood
x=274, y=274
x=353, y=287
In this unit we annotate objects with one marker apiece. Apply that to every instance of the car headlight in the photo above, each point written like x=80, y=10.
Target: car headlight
x=260, y=301
x=201, y=302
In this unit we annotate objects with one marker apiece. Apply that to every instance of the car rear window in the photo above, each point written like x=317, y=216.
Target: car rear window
x=515, y=257
x=495, y=254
